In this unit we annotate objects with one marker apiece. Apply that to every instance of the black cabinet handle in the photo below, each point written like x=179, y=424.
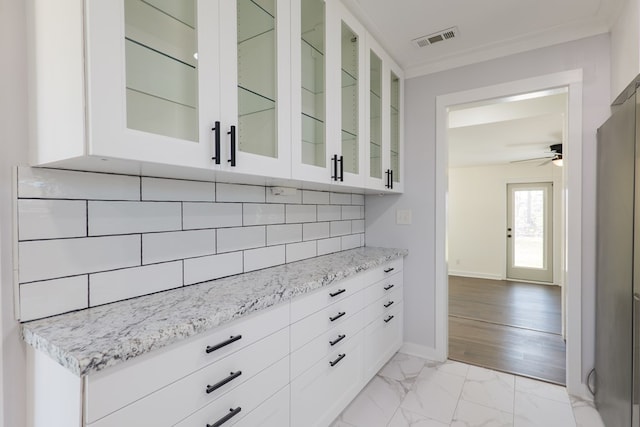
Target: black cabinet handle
x=387, y=173
x=232, y=132
x=337, y=340
x=338, y=292
x=232, y=376
x=388, y=319
x=389, y=286
x=335, y=362
x=391, y=179
x=337, y=316
x=212, y=348
x=232, y=413
x=389, y=304
x=389, y=270
x=341, y=168
x=334, y=168
x=216, y=146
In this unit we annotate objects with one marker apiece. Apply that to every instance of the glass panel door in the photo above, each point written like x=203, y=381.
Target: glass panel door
x=375, y=116
x=162, y=67
x=394, y=142
x=529, y=238
x=350, y=94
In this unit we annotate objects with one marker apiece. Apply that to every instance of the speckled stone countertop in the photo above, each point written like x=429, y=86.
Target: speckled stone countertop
x=90, y=340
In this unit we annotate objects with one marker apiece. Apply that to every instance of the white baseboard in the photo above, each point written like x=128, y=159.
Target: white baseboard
x=475, y=275
x=422, y=351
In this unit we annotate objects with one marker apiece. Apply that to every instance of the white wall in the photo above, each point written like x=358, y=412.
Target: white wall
x=590, y=54
x=625, y=47
x=477, y=216
x=13, y=150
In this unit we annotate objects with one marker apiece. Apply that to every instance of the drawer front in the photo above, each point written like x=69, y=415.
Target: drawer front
x=305, y=305
x=114, y=388
x=248, y=397
x=384, y=305
x=176, y=401
x=383, y=287
x=310, y=327
x=322, y=392
x=321, y=347
x=380, y=273
x=381, y=340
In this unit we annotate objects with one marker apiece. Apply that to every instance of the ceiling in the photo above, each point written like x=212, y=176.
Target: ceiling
x=487, y=29
x=506, y=130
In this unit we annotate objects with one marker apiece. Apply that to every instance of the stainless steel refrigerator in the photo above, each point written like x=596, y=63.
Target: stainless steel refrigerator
x=618, y=263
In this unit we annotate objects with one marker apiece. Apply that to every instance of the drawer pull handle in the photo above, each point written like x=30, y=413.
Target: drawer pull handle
x=232, y=376
x=335, y=362
x=232, y=413
x=388, y=319
x=389, y=270
x=337, y=316
x=212, y=348
x=337, y=340
x=389, y=286
x=338, y=292
x=389, y=304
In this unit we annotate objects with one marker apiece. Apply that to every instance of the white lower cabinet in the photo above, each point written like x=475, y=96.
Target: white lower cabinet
x=382, y=338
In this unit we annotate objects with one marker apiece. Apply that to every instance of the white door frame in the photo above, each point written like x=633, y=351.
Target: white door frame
x=572, y=171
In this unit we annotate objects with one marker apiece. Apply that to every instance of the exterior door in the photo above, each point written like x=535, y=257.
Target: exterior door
x=529, y=232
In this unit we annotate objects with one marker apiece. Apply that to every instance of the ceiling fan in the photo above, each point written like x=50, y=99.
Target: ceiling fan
x=553, y=155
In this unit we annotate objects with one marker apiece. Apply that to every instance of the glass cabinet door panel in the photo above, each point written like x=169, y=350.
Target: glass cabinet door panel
x=394, y=146
x=350, y=93
x=375, y=116
x=161, y=67
x=257, y=68
x=313, y=83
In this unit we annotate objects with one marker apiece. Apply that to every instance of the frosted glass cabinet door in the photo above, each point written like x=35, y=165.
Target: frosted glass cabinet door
x=256, y=86
x=377, y=113
x=394, y=178
x=153, y=80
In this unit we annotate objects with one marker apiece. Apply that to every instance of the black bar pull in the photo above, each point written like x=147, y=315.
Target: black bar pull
x=388, y=319
x=389, y=304
x=337, y=340
x=341, y=168
x=391, y=178
x=389, y=270
x=389, y=286
x=337, y=316
x=336, y=293
x=387, y=174
x=232, y=132
x=334, y=161
x=232, y=413
x=216, y=146
x=335, y=362
x=212, y=348
x=232, y=376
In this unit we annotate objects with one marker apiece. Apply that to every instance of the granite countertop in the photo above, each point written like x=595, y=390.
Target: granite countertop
x=90, y=340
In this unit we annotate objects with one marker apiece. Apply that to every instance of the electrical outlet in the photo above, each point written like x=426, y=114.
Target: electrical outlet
x=403, y=216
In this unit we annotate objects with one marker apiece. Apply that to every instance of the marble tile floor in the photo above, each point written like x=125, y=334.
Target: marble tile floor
x=413, y=392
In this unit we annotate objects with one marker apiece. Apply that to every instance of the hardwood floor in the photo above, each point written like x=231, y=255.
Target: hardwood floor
x=508, y=326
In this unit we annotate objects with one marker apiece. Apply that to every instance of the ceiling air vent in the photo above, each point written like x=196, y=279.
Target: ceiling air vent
x=439, y=36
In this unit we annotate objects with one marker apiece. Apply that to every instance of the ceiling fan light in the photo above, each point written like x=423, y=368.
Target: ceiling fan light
x=557, y=160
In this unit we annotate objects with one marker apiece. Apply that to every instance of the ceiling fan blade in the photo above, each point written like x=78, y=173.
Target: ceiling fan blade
x=529, y=160
x=549, y=160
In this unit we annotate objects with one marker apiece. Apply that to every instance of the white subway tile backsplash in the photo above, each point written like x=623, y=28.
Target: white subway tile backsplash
x=133, y=217
x=61, y=184
x=178, y=190
x=298, y=251
x=239, y=193
x=340, y=198
x=211, y=215
x=239, y=238
x=351, y=212
x=350, y=242
x=255, y=259
x=296, y=197
x=340, y=228
x=132, y=282
x=315, y=197
x=329, y=213
x=212, y=267
x=357, y=199
x=49, y=259
x=357, y=226
x=51, y=219
x=280, y=234
x=315, y=230
x=301, y=213
x=259, y=214
x=160, y=247
x=43, y=299
x=328, y=246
